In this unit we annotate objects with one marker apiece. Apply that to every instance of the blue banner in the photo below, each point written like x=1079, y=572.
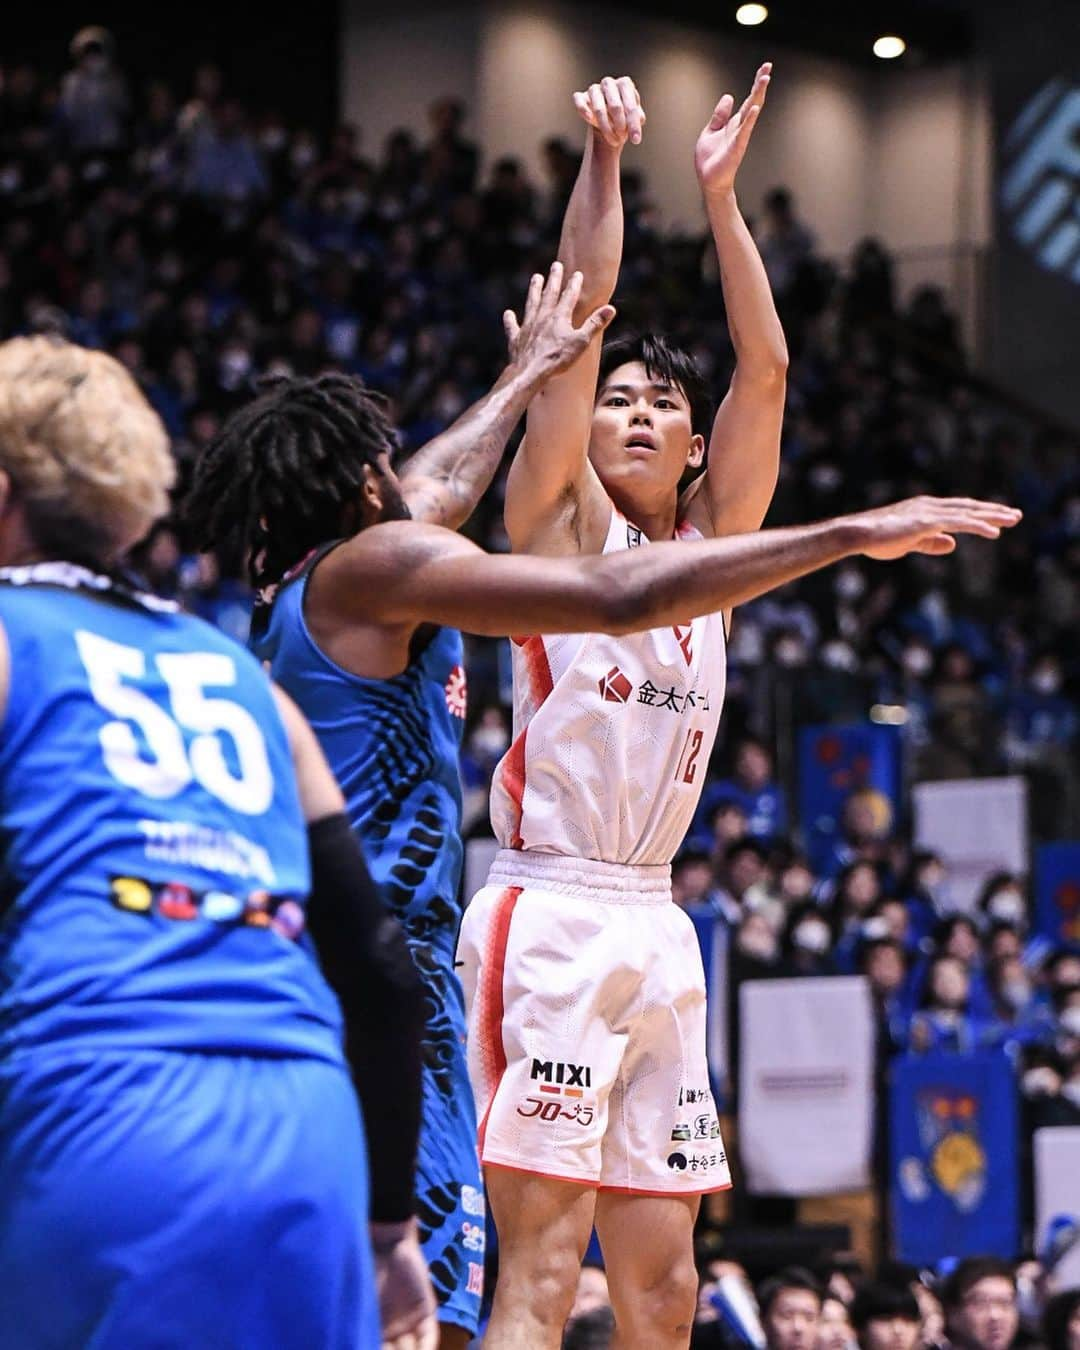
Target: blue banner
x=954, y=1157
x=1057, y=893
x=712, y=936
x=834, y=762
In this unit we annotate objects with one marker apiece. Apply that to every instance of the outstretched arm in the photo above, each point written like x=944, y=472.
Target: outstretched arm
x=744, y=449
x=398, y=575
x=445, y=479
x=552, y=492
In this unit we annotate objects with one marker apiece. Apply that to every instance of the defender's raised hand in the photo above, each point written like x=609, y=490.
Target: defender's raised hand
x=613, y=109
x=928, y=525
x=722, y=144
x=546, y=342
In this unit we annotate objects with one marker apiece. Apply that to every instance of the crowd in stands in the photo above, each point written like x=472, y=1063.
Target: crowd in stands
x=204, y=247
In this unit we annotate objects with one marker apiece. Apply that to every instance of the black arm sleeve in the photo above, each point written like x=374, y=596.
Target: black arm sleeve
x=367, y=963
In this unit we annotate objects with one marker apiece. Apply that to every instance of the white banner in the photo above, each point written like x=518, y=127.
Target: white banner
x=978, y=825
x=806, y=1088
x=1057, y=1193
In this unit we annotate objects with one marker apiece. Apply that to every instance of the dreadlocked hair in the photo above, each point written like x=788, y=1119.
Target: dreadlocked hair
x=275, y=481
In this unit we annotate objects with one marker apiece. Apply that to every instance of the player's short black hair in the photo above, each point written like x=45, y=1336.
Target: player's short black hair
x=968, y=1274
x=662, y=361
x=874, y=1301
x=274, y=483
x=791, y=1277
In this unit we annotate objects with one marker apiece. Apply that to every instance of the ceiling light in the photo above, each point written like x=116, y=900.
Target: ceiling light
x=889, y=47
x=749, y=15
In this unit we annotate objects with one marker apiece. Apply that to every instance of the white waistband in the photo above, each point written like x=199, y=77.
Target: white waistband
x=587, y=877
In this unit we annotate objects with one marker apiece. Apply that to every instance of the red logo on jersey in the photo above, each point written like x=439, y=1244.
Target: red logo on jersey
x=684, y=636
x=457, y=699
x=615, y=687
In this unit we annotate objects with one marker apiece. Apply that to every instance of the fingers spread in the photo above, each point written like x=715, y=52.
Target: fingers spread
x=597, y=321
x=532, y=300
x=571, y=294
x=553, y=286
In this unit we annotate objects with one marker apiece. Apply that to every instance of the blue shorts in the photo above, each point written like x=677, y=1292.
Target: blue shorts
x=177, y=1200
x=449, y=1184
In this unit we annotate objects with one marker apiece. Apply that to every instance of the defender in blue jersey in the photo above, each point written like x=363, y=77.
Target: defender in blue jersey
x=360, y=588
x=182, y=1157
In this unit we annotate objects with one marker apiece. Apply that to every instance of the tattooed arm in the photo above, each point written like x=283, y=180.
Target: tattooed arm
x=447, y=477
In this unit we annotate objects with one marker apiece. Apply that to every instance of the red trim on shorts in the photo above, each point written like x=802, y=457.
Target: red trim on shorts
x=548, y=1176
x=491, y=996
x=663, y=1195
x=539, y=684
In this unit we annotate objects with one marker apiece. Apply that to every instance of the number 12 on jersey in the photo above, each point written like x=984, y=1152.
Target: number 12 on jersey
x=687, y=766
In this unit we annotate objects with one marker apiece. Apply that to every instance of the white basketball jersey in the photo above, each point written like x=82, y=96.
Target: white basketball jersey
x=612, y=735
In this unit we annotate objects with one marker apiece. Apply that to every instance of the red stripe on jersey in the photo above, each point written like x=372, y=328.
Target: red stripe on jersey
x=492, y=1050
x=539, y=684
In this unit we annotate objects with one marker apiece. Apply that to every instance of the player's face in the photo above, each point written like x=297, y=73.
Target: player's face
x=642, y=438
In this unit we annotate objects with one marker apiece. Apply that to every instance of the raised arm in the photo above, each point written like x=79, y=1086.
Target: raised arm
x=552, y=491
x=744, y=449
x=401, y=575
x=445, y=479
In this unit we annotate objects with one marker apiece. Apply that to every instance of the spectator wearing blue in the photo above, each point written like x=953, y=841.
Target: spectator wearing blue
x=883, y=961
x=1018, y=1017
x=944, y=1021
x=753, y=787
x=225, y=165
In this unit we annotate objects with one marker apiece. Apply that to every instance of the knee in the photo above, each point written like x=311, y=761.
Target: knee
x=541, y=1282
x=668, y=1302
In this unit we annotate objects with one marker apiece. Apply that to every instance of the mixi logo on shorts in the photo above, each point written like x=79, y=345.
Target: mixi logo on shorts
x=558, y=1081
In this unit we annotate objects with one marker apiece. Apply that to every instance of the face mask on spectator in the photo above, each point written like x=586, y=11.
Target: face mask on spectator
x=917, y=661
x=825, y=478
x=850, y=584
x=813, y=936
x=1007, y=907
x=489, y=742
x=790, y=652
x=1046, y=680
x=1040, y=1082
x=756, y=942
x=1016, y=993
x=838, y=656
x=235, y=368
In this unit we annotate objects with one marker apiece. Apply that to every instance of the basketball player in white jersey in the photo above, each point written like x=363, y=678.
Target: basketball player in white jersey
x=584, y=984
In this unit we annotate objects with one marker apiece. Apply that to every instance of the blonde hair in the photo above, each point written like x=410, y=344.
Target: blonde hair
x=87, y=456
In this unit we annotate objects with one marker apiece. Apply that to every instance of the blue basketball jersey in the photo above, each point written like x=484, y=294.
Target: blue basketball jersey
x=155, y=864
x=393, y=746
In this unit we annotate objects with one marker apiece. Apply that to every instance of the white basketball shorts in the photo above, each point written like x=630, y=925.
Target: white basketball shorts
x=586, y=1006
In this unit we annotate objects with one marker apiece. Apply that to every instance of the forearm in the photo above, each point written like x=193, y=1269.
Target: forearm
x=758, y=338
x=672, y=582
x=627, y=592
x=445, y=479
x=366, y=961
x=592, y=234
